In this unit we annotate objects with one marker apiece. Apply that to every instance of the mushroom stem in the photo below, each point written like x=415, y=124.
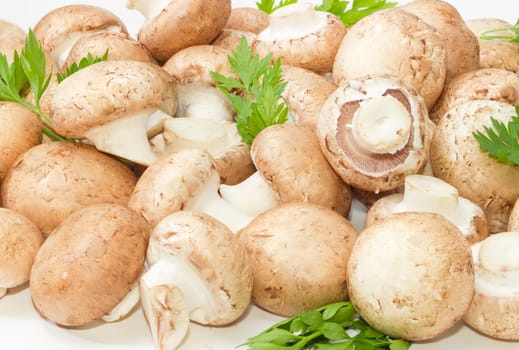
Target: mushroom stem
x=197, y=101
x=381, y=125
x=149, y=8
x=125, y=306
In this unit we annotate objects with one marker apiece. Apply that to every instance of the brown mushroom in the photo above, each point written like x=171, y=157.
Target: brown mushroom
x=12, y=38
x=249, y=19
x=230, y=38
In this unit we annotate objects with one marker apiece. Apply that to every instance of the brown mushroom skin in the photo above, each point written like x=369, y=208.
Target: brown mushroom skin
x=89, y=264
x=292, y=272
x=12, y=38
x=411, y=275
x=235, y=164
x=247, y=19
x=513, y=221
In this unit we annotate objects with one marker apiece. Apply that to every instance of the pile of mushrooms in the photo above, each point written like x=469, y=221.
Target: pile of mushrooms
x=158, y=204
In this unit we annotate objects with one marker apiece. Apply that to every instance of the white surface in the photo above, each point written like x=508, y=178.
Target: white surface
x=21, y=327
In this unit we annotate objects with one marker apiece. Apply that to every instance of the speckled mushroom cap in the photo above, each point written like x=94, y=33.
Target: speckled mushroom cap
x=63, y=25
x=119, y=46
x=109, y=90
x=457, y=159
x=230, y=38
x=20, y=240
x=461, y=44
x=311, y=42
x=21, y=130
x=483, y=84
x=89, y=264
x=494, y=310
x=412, y=50
x=411, y=275
x=495, y=53
x=12, y=38
x=180, y=24
x=249, y=19
x=366, y=167
x=289, y=158
x=299, y=253
x=217, y=257
x=51, y=180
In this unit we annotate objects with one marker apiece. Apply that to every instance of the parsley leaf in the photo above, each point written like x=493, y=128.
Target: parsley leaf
x=270, y=6
x=500, y=140
x=256, y=94
x=513, y=38
x=86, y=61
x=325, y=328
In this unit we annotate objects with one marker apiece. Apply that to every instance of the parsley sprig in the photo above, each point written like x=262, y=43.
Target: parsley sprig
x=86, y=61
x=514, y=37
x=349, y=12
x=501, y=140
x=331, y=327
x=256, y=94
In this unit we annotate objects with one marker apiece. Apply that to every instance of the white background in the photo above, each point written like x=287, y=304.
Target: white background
x=22, y=329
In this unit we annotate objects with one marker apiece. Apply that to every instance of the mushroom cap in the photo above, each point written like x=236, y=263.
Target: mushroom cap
x=215, y=253
x=170, y=182
x=411, y=275
x=305, y=94
x=494, y=310
x=20, y=240
x=313, y=50
x=12, y=38
x=249, y=19
x=361, y=168
x=119, y=46
x=51, y=180
x=513, y=221
x=89, y=264
x=483, y=84
x=230, y=38
x=413, y=50
x=109, y=90
x=457, y=159
x=182, y=24
x=290, y=159
x=234, y=164
x=299, y=253
x=21, y=130
x=461, y=44
x=495, y=53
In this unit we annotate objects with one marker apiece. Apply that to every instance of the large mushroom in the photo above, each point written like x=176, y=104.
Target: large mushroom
x=398, y=43
x=90, y=265
x=197, y=270
x=374, y=132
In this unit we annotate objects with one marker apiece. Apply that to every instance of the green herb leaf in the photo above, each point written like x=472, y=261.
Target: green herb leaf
x=270, y=6
x=500, y=140
x=256, y=94
x=86, y=61
x=513, y=37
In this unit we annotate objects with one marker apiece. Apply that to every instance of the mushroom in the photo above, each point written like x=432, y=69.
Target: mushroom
x=462, y=46
x=290, y=167
x=430, y=194
x=412, y=50
x=183, y=180
x=374, y=132
x=456, y=158
x=495, y=53
x=12, y=38
x=298, y=253
x=513, y=221
x=483, y=84
x=21, y=130
x=411, y=275
x=197, y=269
x=494, y=310
x=301, y=36
x=248, y=19
x=109, y=104
x=60, y=28
x=89, y=264
x=230, y=38
x=20, y=240
x=51, y=180
x=174, y=25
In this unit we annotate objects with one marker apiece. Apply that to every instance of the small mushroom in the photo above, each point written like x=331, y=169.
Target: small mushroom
x=411, y=275
x=89, y=264
x=298, y=253
x=494, y=310
x=374, y=132
x=249, y=19
x=301, y=36
x=198, y=270
x=483, y=84
x=456, y=158
x=495, y=53
x=429, y=194
x=51, y=180
x=398, y=43
x=20, y=240
x=109, y=104
x=174, y=25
